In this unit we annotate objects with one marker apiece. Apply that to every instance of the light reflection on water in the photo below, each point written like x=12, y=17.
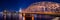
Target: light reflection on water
x=43, y=17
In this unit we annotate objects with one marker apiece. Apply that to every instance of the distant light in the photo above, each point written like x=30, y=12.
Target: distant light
x=20, y=10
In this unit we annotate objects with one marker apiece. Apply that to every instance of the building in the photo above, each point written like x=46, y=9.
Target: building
x=10, y=15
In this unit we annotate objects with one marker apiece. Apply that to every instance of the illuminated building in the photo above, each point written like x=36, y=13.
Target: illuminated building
x=10, y=15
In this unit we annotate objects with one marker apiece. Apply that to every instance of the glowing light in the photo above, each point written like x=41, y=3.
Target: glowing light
x=41, y=6
x=20, y=10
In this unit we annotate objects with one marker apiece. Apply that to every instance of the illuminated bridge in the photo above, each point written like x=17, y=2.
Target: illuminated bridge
x=36, y=11
x=41, y=8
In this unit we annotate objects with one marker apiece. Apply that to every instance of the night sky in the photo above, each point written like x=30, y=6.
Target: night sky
x=17, y=4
